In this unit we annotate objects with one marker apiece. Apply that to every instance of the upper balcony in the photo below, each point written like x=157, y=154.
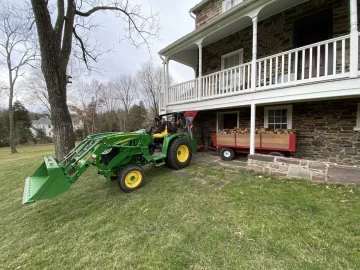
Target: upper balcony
x=284, y=50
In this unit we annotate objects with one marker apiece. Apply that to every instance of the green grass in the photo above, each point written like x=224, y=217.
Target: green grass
x=178, y=220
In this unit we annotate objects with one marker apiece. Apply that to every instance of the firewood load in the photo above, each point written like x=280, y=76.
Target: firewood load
x=257, y=131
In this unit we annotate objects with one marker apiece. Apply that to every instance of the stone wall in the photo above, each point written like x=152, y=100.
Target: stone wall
x=208, y=13
x=306, y=169
x=276, y=33
x=325, y=129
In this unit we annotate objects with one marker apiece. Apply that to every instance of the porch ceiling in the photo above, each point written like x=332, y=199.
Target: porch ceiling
x=185, y=50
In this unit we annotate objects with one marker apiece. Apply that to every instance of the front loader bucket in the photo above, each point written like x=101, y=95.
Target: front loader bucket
x=49, y=181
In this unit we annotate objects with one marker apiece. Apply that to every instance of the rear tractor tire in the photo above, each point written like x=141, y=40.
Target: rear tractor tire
x=179, y=154
x=227, y=154
x=131, y=178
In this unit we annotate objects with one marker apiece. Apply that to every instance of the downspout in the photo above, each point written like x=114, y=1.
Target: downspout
x=192, y=16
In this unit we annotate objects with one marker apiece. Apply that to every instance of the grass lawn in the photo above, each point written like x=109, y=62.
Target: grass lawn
x=178, y=220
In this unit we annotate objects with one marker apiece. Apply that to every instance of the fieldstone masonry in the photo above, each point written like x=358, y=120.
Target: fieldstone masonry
x=325, y=129
x=306, y=169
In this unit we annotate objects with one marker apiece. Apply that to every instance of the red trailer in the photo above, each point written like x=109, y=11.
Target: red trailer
x=273, y=144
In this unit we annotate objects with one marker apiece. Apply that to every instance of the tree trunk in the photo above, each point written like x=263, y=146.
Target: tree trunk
x=55, y=46
x=11, y=120
x=60, y=117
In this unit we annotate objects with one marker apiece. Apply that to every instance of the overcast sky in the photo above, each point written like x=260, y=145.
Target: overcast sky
x=175, y=22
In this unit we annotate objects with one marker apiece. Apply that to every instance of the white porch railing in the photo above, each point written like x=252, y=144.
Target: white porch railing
x=229, y=81
x=186, y=91
x=320, y=61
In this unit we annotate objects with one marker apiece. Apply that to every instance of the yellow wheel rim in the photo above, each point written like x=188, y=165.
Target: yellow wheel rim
x=183, y=153
x=133, y=179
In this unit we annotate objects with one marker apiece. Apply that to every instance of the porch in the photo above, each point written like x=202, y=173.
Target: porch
x=278, y=71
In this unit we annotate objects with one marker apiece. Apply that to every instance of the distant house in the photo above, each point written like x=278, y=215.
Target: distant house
x=44, y=124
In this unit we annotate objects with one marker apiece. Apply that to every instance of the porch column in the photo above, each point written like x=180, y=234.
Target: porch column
x=200, y=72
x=165, y=89
x=254, y=54
x=354, y=39
x=167, y=78
x=252, y=128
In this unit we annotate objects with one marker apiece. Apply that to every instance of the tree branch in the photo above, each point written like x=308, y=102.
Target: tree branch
x=85, y=53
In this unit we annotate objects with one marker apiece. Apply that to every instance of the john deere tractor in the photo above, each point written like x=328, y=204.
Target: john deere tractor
x=117, y=156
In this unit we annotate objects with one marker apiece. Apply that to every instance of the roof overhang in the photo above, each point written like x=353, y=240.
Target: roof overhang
x=230, y=22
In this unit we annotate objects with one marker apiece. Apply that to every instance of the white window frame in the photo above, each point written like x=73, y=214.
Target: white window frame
x=241, y=57
x=357, y=128
x=229, y=4
x=289, y=114
x=223, y=113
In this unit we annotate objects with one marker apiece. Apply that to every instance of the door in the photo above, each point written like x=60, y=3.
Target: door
x=309, y=30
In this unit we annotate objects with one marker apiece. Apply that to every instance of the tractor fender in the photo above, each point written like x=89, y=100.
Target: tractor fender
x=168, y=139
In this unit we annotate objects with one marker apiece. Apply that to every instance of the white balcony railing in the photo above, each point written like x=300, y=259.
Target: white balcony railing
x=182, y=92
x=320, y=61
x=229, y=81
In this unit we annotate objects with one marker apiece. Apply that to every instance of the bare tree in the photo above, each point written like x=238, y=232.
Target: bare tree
x=109, y=103
x=16, y=50
x=86, y=103
x=35, y=88
x=56, y=43
x=150, y=80
x=125, y=90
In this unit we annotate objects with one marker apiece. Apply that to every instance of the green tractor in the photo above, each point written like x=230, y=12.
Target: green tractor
x=117, y=156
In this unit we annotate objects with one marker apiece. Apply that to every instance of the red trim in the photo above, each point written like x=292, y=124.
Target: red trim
x=292, y=143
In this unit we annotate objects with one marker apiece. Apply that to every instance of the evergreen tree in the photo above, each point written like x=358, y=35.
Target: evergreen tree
x=22, y=123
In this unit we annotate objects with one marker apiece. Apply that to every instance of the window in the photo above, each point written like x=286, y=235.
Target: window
x=278, y=117
x=229, y=4
x=49, y=126
x=358, y=118
x=232, y=59
x=231, y=79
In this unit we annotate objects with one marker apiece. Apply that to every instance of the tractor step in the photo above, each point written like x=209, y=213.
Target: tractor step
x=159, y=160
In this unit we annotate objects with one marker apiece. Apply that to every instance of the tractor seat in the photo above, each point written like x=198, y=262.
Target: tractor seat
x=161, y=134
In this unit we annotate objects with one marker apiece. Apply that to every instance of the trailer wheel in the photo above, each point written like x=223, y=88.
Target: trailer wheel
x=131, y=178
x=179, y=154
x=227, y=154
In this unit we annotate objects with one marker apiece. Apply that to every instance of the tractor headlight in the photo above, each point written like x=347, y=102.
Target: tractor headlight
x=92, y=158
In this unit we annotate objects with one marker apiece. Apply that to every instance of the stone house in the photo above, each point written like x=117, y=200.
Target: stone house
x=291, y=64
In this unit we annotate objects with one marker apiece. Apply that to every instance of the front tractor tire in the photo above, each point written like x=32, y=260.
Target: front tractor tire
x=179, y=154
x=131, y=178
